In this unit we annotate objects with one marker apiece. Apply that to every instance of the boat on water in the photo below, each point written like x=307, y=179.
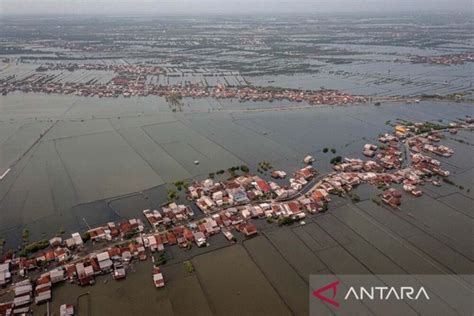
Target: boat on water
x=158, y=278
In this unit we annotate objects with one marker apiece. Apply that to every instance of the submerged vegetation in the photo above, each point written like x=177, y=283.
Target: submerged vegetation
x=265, y=165
x=336, y=160
x=33, y=247
x=188, y=266
x=172, y=195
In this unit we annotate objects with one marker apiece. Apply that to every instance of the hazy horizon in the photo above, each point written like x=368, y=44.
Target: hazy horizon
x=190, y=7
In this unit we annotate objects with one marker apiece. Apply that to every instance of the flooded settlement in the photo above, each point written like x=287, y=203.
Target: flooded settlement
x=209, y=168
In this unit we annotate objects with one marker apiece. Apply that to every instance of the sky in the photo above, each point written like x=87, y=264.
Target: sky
x=124, y=7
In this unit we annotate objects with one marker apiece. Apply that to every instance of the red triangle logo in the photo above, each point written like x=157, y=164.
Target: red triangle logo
x=330, y=300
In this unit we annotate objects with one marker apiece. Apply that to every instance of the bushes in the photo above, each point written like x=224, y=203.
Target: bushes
x=131, y=234
x=376, y=201
x=161, y=259
x=172, y=195
x=285, y=221
x=325, y=150
x=33, y=247
x=460, y=187
x=25, y=235
x=448, y=181
x=244, y=168
x=325, y=207
x=428, y=127
x=355, y=198
x=336, y=160
x=188, y=266
x=232, y=172
x=265, y=165
x=180, y=185
x=86, y=236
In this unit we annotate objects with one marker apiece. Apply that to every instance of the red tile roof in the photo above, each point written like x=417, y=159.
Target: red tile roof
x=294, y=207
x=263, y=185
x=250, y=229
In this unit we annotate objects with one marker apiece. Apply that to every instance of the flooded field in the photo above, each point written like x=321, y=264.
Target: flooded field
x=70, y=155
x=235, y=285
x=290, y=286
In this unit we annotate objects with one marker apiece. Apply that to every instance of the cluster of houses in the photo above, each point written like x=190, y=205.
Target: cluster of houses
x=84, y=46
x=57, y=259
x=425, y=144
x=124, y=69
x=112, y=230
x=234, y=204
x=171, y=215
x=131, y=80
x=115, y=259
x=355, y=171
x=392, y=197
x=358, y=165
x=450, y=59
x=268, y=94
x=427, y=165
x=388, y=156
x=211, y=196
x=369, y=150
x=25, y=292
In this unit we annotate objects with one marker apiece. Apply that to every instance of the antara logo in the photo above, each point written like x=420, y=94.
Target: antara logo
x=370, y=293
x=331, y=286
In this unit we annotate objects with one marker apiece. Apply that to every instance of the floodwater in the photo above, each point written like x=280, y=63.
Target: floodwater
x=269, y=274
x=136, y=295
x=199, y=293
x=72, y=158
x=77, y=162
